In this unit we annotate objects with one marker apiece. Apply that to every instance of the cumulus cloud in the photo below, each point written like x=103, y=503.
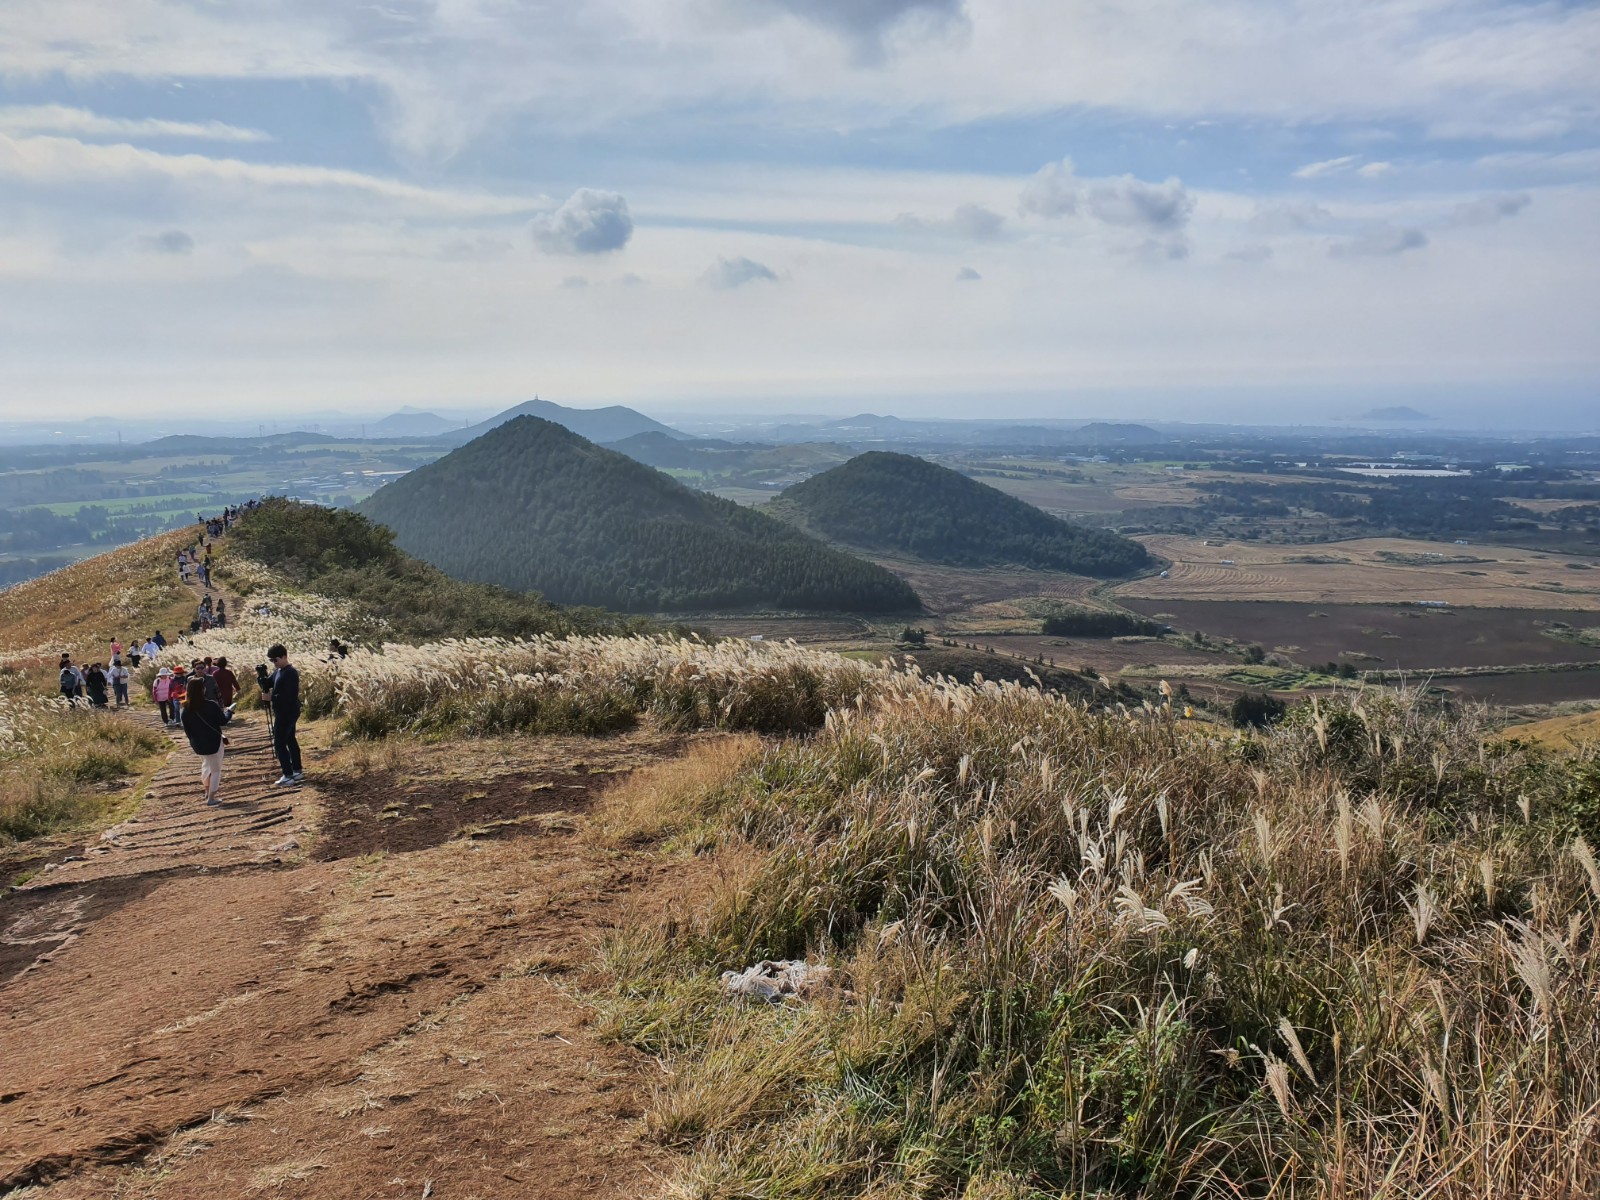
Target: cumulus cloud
x=736, y=272
x=1289, y=217
x=1132, y=202
x=972, y=221
x=1489, y=209
x=967, y=275
x=1328, y=166
x=170, y=241
x=1381, y=241
x=80, y=122
x=1054, y=191
x=590, y=222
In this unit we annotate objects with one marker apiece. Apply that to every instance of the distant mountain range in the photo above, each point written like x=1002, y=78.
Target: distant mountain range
x=601, y=425
x=868, y=428
x=533, y=506
x=902, y=504
x=409, y=423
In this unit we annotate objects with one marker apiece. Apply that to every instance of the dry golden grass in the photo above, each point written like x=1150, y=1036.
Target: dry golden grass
x=1560, y=733
x=124, y=593
x=663, y=797
x=1506, y=578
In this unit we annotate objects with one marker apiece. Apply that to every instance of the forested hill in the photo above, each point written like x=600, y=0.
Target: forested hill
x=533, y=506
x=895, y=502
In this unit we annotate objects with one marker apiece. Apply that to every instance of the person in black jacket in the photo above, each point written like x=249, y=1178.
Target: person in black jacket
x=285, y=705
x=203, y=720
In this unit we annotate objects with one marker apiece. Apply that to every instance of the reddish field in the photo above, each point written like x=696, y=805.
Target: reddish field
x=1400, y=636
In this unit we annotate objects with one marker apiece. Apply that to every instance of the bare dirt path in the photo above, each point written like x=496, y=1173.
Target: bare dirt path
x=365, y=988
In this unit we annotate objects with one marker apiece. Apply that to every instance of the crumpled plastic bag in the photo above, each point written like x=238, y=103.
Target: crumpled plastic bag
x=776, y=981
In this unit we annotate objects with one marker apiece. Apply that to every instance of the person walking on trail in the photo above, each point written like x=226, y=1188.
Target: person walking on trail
x=180, y=686
x=119, y=682
x=71, y=680
x=285, y=705
x=222, y=614
x=94, y=682
x=197, y=670
x=203, y=720
x=227, y=684
x=161, y=693
x=161, y=642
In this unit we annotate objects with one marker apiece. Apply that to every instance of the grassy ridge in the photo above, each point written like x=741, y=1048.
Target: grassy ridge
x=1086, y=954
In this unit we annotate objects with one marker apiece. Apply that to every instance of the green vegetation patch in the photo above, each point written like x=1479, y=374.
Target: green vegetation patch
x=900, y=503
x=532, y=506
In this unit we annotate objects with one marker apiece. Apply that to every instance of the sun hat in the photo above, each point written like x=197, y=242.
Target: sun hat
x=164, y=671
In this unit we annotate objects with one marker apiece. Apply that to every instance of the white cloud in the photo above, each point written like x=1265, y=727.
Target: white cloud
x=1489, y=209
x=1328, y=166
x=1289, y=216
x=1374, y=170
x=972, y=221
x=80, y=122
x=1131, y=202
x=1381, y=241
x=590, y=222
x=68, y=161
x=736, y=272
x=1054, y=191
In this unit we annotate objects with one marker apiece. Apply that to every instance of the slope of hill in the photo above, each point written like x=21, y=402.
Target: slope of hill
x=899, y=503
x=341, y=554
x=596, y=424
x=533, y=506
x=666, y=452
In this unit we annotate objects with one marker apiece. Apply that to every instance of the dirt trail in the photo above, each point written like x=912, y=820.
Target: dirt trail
x=312, y=995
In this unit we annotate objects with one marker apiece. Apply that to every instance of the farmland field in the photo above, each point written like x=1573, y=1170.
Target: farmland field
x=1387, y=636
x=1372, y=571
x=1527, y=687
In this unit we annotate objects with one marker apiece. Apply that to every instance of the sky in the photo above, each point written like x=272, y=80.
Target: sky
x=1277, y=210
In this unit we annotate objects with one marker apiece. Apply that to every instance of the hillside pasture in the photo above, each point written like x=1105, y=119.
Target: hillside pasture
x=1378, y=570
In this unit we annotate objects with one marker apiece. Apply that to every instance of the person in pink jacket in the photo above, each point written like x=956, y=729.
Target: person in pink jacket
x=161, y=693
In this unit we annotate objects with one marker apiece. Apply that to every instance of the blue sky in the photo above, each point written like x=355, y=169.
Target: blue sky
x=1254, y=208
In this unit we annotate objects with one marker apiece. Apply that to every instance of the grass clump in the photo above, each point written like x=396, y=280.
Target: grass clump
x=1102, y=954
x=55, y=761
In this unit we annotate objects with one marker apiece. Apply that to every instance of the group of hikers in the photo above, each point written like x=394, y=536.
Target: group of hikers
x=204, y=701
x=200, y=698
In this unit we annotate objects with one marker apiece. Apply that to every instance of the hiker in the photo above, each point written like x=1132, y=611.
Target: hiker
x=203, y=720
x=197, y=670
x=161, y=693
x=94, y=682
x=222, y=614
x=227, y=684
x=161, y=642
x=337, y=649
x=71, y=679
x=151, y=650
x=180, y=685
x=116, y=648
x=285, y=705
x=119, y=682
